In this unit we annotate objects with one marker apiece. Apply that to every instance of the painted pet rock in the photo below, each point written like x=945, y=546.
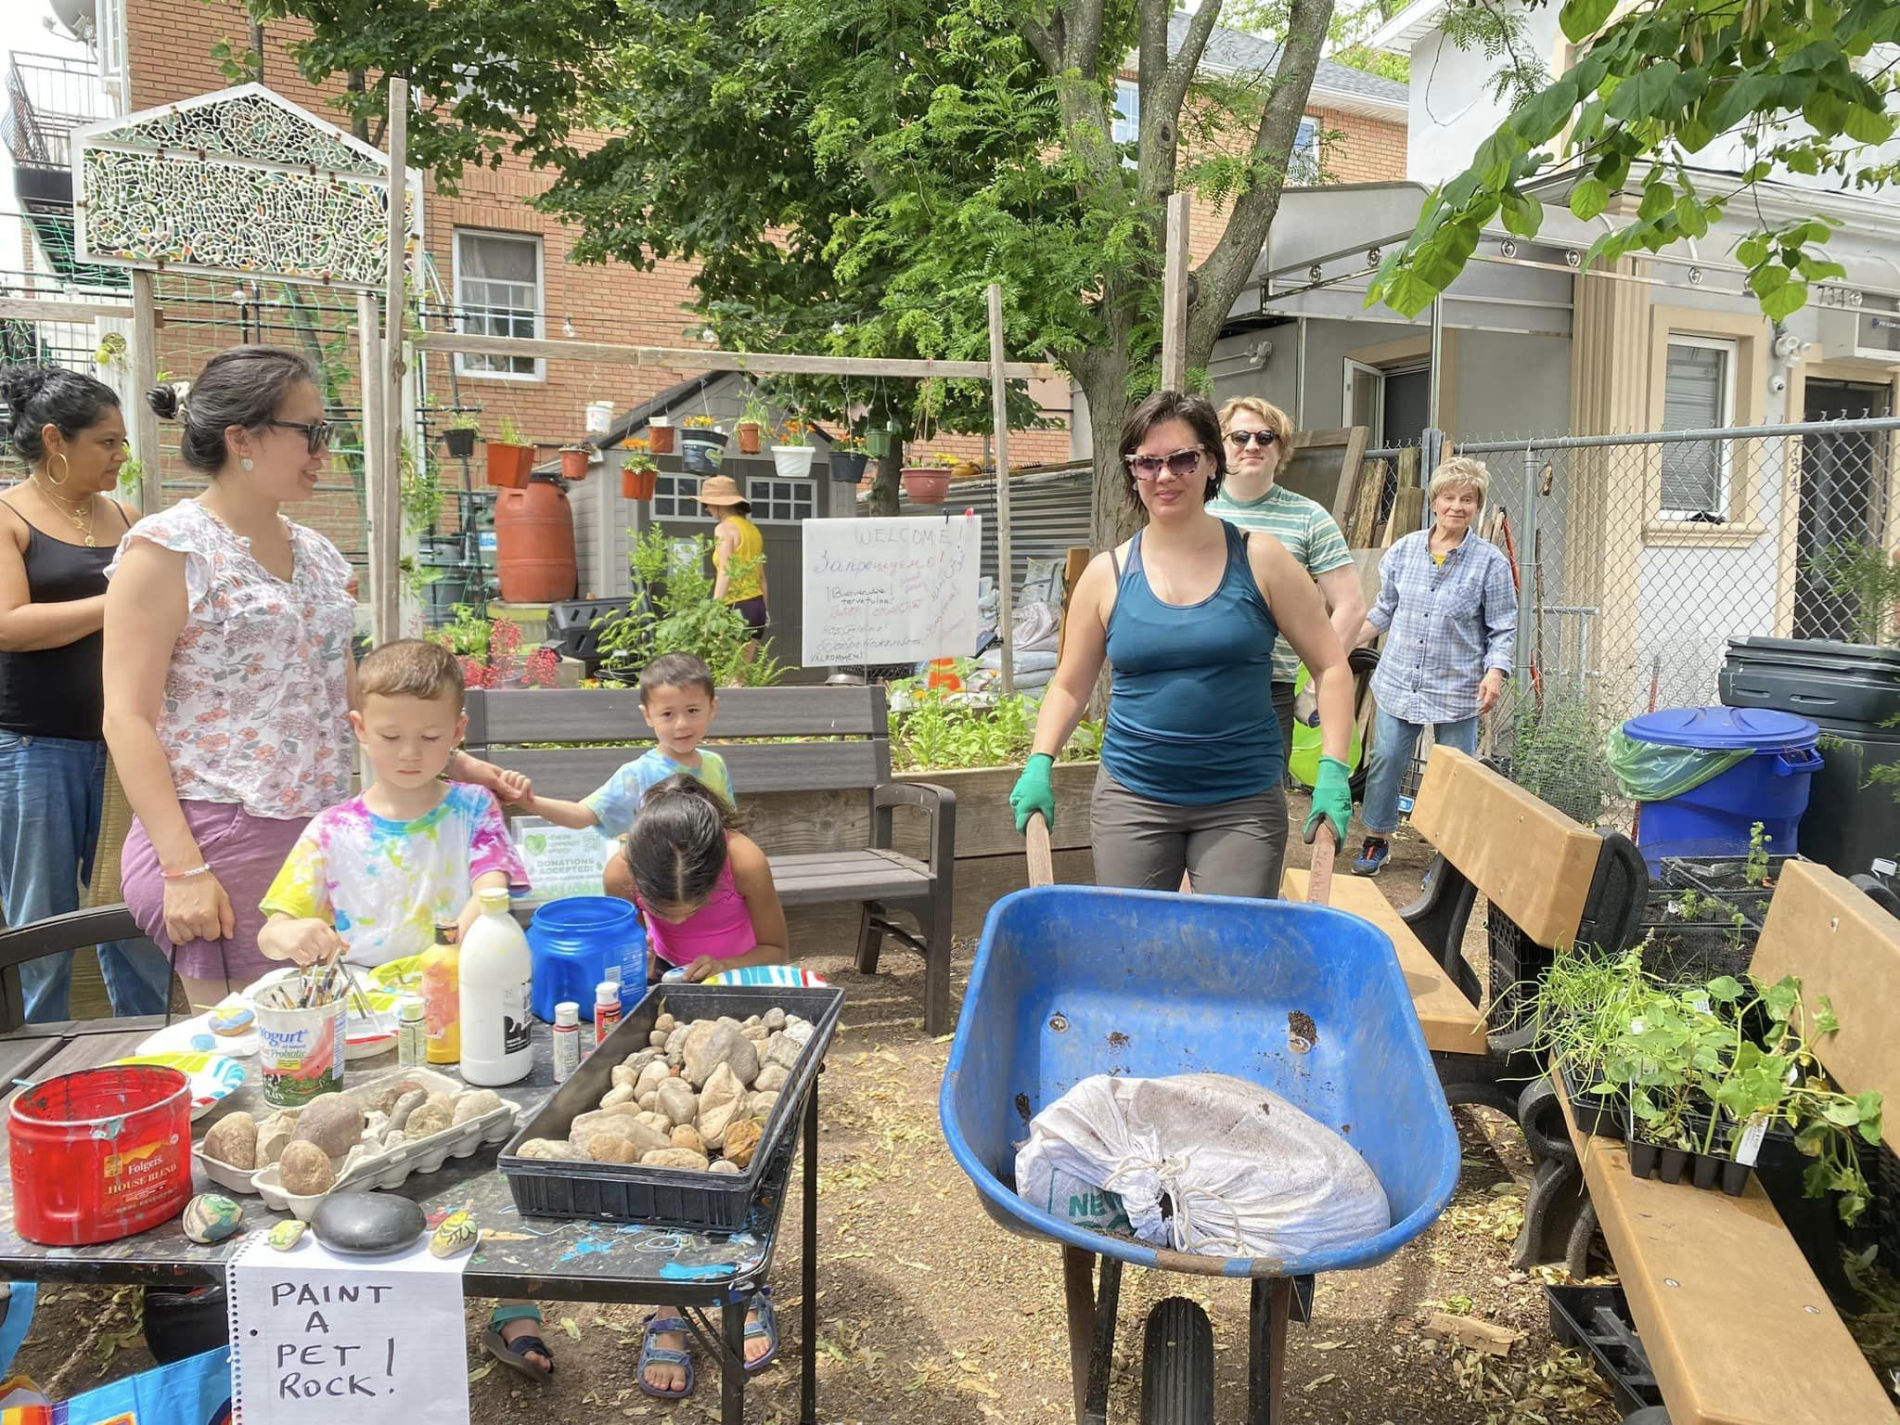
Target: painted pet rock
x=231, y=1021
x=456, y=1233
x=285, y=1234
x=211, y=1217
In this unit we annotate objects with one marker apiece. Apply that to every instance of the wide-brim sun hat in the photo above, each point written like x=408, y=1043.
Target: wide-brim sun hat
x=720, y=490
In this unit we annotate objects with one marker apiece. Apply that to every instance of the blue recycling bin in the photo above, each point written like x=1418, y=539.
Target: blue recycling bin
x=1769, y=784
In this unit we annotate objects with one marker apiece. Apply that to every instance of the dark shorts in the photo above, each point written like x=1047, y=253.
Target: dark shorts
x=753, y=612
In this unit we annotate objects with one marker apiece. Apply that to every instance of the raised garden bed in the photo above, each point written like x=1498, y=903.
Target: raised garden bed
x=1732, y=881
x=1688, y=937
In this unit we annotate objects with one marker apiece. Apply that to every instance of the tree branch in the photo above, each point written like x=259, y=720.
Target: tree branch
x=1228, y=266
x=1044, y=43
x=1164, y=87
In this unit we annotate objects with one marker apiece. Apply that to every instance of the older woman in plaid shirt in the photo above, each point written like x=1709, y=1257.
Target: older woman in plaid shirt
x=1449, y=605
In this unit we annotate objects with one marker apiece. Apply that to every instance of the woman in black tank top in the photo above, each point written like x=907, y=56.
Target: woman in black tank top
x=58, y=531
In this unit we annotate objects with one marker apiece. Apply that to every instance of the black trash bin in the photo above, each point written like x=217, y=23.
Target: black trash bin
x=1851, y=692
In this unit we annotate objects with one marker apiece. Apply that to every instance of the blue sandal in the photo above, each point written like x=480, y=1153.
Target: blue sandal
x=652, y=1353
x=514, y=1354
x=766, y=1326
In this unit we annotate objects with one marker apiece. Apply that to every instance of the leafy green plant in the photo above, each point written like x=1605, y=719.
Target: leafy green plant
x=757, y=409
x=130, y=473
x=932, y=729
x=1864, y=576
x=1756, y=866
x=510, y=432
x=421, y=491
x=463, y=420
x=464, y=633
x=673, y=611
x=1557, y=754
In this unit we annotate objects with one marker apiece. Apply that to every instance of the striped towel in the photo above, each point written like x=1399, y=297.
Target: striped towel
x=766, y=975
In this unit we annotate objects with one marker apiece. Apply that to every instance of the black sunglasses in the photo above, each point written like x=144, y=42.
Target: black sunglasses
x=1241, y=439
x=317, y=435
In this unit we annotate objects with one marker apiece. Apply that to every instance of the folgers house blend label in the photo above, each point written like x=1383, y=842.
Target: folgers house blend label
x=135, y=1178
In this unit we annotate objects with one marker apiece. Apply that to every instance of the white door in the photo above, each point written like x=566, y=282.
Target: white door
x=1364, y=402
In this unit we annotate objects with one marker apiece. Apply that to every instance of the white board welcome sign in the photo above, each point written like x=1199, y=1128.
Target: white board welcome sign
x=890, y=590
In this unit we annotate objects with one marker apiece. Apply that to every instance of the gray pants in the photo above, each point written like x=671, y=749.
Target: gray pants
x=1229, y=849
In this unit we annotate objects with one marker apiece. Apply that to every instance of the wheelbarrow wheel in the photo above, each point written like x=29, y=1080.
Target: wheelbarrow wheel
x=1177, y=1368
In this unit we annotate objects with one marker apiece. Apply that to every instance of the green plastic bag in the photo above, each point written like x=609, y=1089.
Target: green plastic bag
x=1303, y=759
x=1655, y=772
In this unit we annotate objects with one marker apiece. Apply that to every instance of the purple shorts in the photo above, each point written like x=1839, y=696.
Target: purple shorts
x=245, y=852
x=753, y=612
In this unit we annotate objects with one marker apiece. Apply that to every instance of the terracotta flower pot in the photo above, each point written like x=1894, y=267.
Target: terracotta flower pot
x=509, y=466
x=750, y=433
x=637, y=484
x=926, y=484
x=574, y=464
x=661, y=438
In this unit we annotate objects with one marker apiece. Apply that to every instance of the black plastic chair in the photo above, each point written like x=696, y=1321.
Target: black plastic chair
x=77, y=930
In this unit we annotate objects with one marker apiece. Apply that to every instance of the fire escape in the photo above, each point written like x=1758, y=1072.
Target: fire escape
x=47, y=97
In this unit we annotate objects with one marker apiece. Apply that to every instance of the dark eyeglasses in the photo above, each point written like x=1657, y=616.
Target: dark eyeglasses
x=1241, y=439
x=1181, y=464
x=317, y=435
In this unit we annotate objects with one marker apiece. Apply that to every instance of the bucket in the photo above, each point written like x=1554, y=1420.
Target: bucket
x=599, y=417
x=1715, y=819
x=300, y=1051
x=100, y=1154
x=574, y=942
x=702, y=449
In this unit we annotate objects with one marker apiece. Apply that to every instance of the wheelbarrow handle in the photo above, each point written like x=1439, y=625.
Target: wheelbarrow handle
x=1042, y=861
x=1319, y=876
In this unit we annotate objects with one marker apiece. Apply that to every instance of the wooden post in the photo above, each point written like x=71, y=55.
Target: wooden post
x=369, y=360
x=999, y=413
x=144, y=377
x=1174, y=303
x=387, y=611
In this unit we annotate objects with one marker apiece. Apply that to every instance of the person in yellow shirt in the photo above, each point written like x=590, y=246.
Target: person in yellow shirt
x=738, y=555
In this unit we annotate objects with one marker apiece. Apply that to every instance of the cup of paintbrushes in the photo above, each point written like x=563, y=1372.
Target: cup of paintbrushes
x=301, y=1037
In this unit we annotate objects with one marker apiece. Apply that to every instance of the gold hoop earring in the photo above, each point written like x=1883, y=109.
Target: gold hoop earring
x=65, y=465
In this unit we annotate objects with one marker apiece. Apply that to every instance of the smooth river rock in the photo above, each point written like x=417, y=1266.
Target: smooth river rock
x=367, y=1223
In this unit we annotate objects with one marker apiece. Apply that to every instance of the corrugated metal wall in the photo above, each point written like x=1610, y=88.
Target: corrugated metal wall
x=1047, y=514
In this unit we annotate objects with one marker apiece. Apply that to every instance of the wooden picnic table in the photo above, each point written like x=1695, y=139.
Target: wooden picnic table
x=539, y=1258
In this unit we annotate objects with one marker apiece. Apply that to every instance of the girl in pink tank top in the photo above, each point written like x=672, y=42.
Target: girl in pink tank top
x=704, y=889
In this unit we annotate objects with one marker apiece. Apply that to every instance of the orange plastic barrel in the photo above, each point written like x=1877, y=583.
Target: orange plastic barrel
x=534, y=544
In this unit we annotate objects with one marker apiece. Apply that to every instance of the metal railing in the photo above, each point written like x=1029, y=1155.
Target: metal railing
x=48, y=96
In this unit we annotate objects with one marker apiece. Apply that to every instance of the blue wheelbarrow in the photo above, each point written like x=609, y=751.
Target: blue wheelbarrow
x=1309, y=1002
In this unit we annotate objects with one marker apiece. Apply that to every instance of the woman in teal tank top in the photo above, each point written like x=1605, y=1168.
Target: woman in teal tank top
x=1185, y=614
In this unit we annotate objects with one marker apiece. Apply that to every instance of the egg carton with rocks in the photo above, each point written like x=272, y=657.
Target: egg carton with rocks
x=363, y=1140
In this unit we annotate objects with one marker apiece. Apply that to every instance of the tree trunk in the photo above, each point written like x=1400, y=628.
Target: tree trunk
x=884, y=483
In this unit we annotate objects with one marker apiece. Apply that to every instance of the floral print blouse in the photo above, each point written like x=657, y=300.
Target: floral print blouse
x=256, y=706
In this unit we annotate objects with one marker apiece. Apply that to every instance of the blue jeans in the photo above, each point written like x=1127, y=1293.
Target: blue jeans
x=1394, y=743
x=52, y=790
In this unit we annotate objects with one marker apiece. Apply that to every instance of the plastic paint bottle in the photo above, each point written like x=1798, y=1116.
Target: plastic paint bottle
x=496, y=973
x=412, y=1033
x=567, y=1040
x=606, y=1010
x=441, y=996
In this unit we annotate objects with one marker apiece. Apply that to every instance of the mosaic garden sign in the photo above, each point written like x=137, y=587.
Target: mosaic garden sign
x=239, y=183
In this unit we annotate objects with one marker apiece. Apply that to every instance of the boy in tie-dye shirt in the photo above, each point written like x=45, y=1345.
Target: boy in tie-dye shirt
x=381, y=871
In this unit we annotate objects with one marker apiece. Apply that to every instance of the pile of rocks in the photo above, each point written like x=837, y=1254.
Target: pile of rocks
x=697, y=1098
x=317, y=1144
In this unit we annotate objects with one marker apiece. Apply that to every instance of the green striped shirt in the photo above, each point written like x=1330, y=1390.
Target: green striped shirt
x=1310, y=535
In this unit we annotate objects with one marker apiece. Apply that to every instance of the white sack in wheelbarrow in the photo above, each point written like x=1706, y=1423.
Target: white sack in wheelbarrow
x=1245, y=1173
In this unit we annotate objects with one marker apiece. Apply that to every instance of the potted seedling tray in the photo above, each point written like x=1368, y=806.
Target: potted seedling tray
x=666, y=1197
x=1596, y=1321
x=1598, y=1115
x=1712, y=938
x=1727, y=880
x=1713, y=1169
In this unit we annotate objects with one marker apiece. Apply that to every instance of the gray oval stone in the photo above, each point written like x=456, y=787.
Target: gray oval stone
x=367, y=1222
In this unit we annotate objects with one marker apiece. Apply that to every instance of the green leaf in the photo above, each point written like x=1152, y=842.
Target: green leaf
x=1815, y=269
x=1492, y=161
x=1646, y=93
x=1583, y=18
x=1826, y=112
x=1658, y=198
x=1785, y=301
x=1523, y=216
x=1825, y=1020
x=1841, y=1115
x=1865, y=125
x=1543, y=115
x=1589, y=198
x=1726, y=989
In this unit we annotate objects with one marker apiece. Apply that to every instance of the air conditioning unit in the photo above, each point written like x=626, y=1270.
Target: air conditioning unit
x=1857, y=326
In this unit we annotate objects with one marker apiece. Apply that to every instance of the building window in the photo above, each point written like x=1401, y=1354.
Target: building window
x=498, y=293
x=1698, y=394
x=1302, y=165
x=1126, y=126
x=674, y=498
x=782, y=501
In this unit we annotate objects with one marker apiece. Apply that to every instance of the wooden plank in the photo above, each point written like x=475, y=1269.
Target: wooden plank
x=1452, y=1023
x=572, y=772
x=1846, y=949
x=1408, y=514
x=145, y=442
x=693, y=358
x=519, y=715
x=1073, y=565
x=1365, y=504
x=50, y=309
x=1737, y=1328
x=1529, y=859
x=1409, y=477
x=1174, y=294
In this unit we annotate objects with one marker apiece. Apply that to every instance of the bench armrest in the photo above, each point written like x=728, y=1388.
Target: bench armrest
x=76, y=930
x=939, y=802
x=1439, y=917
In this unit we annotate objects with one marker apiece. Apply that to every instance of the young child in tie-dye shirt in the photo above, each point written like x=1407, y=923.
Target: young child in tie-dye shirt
x=379, y=872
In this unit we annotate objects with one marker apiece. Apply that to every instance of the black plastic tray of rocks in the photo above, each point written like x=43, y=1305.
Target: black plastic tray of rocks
x=665, y=1197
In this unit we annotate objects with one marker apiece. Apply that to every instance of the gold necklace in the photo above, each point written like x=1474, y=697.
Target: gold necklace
x=84, y=526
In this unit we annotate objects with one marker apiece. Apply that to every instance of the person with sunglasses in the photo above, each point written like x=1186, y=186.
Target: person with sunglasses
x=1186, y=614
x=229, y=676
x=1259, y=438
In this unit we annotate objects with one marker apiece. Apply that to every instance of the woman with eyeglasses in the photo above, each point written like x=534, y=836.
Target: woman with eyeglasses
x=1258, y=437
x=229, y=674
x=1186, y=614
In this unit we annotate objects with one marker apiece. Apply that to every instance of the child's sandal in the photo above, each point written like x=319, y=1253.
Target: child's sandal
x=765, y=1324
x=654, y=1354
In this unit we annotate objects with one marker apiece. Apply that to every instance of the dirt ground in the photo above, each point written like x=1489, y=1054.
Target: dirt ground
x=931, y=1314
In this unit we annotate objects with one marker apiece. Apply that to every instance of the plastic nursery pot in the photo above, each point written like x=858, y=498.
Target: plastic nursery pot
x=1598, y=1116
x=1671, y=1163
x=749, y=437
x=1642, y=1158
x=847, y=466
x=509, y=466
x=792, y=462
x=702, y=449
x=1735, y=1177
x=1706, y=1170
x=661, y=438
x=460, y=441
x=637, y=484
x=574, y=464
x=926, y=484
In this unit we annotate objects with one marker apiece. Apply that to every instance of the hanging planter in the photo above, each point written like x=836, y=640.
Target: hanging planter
x=460, y=441
x=574, y=460
x=509, y=465
x=877, y=443
x=847, y=466
x=926, y=484
x=702, y=449
x=792, y=462
x=750, y=437
x=660, y=435
x=637, y=482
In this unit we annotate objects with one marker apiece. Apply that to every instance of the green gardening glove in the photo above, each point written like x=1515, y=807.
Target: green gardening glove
x=1332, y=799
x=1032, y=792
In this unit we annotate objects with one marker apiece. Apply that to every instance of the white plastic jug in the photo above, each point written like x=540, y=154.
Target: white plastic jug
x=496, y=978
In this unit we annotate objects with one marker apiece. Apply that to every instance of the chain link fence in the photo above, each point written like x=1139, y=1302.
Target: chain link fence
x=1640, y=557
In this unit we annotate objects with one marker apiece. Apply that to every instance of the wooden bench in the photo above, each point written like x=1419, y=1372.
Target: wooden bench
x=1736, y=1324
x=823, y=741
